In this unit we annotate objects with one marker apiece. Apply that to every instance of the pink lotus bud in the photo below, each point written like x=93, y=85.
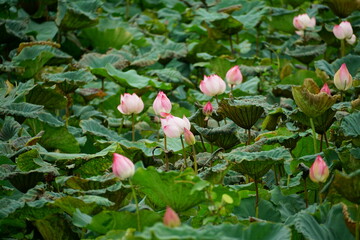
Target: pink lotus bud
x=303, y=21
x=130, y=103
x=171, y=219
x=351, y=40
x=122, y=167
x=189, y=137
x=208, y=109
x=343, y=30
x=161, y=104
x=234, y=76
x=342, y=78
x=173, y=126
x=212, y=85
x=325, y=89
x=319, y=171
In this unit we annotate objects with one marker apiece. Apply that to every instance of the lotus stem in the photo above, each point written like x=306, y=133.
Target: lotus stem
x=342, y=48
x=67, y=110
x=314, y=134
x=249, y=137
x=231, y=91
x=202, y=142
x=133, y=127
x=121, y=125
x=184, y=153
x=136, y=204
x=275, y=176
x=257, y=199
x=320, y=197
x=166, y=156
x=195, y=161
x=321, y=142
x=231, y=44
x=341, y=95
x=357, y=226
x=306, y=194
x=326, y=140
x=127, y=10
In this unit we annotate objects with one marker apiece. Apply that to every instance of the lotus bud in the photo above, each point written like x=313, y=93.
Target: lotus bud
x=130, y=104
x=234, y=76
x=208, y=109
x=171, y=219
x=343, y=30
x=303, y=21
x=319, y=171
x=212, y=85
x=122, y=167
x=325, y=89
x=342, y=78
x=162, y=104
x=189, y=137
x=351, y=40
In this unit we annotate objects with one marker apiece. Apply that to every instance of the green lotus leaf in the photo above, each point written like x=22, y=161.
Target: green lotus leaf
x=352, y=63
x=257, y=164
x=350, y=125
x=172, y=189
x=342, y=8
x=215, y=174
x=10, y=128
x=251, y=13
x=228, y=25
x=348, y=185
x=313, y=105
x=306, y=54
x=245, y=111
x=224, y=136
x=282, y=136
x=322, y=123
x=76, y=14
x=48, y=97
x=271, y=120
x=94, y=127
x=281, y=19
x=282, y=90
x=351, y=217
x=97, y=62
x=68, y=82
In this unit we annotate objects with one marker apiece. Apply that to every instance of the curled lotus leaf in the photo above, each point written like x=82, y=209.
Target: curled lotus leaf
x=350, y=219
x=322, y=123
x=257, y=164
x=311, y=103
x=245, y=111
x=348, y=185
x=224, y=136
x=306, y=54
x=343, y=8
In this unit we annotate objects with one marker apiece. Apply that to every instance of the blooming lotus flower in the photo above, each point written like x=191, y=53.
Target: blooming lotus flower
x=130, y=104
x=319, y=171
x=189, y=137
x=212, y=85
x=234, y=76
x=162, y=104
x=343, y=30
x=122, y=167
x=342, y=78
x=173, y=127
x=303, y=21
x=325, y=89
x=171, y=219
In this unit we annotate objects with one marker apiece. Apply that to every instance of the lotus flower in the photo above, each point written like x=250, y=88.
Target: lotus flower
x=130, y=104
x=234, y=76
x=342, y=78
x=325, y=89
x=207, y=110
x=319, y=171
x=173, y=127
x=212, y=85
x=351, y=40
x=162, y=104
x=171, y=219
x=303, y=21
x=189, y=137
x=122, y=167
x=343, y=30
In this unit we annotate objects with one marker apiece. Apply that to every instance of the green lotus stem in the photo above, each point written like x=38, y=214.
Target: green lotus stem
x=357, y=226
x=320, y=198
x=127, y=10
x=202, y=142
x=306, y=194
x=121, y=125
x=217, y=101
x=321, y=142
x=166, y=156
x=257, y=200
x=231, y=91
x=67, y=110
x=288, y=180
x=136, y=204
x=184, y=153
x=275, y=176
x=133, y=127
x=341, y=95
x=195, y=161
x=231, y=44
x=326, y=141
x=249, y=137
x=342, y=48
x=314, y=134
